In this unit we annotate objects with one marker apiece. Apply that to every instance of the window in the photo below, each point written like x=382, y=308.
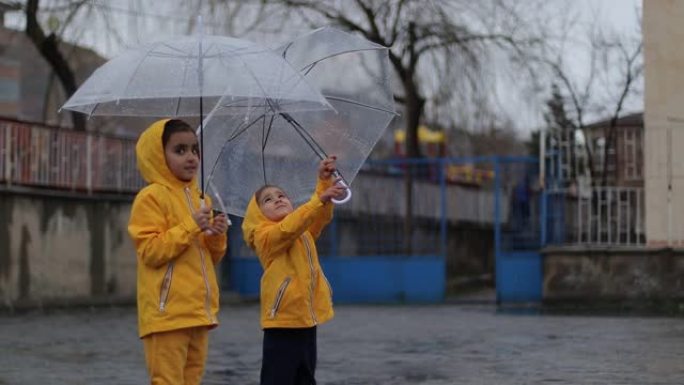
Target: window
x=633, y=155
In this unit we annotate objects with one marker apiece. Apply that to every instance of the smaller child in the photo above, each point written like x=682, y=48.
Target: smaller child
x=178, y=244
x=295, y=295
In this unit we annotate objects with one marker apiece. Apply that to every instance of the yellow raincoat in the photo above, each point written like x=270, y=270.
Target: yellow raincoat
x=294, y=290
x=177, y=285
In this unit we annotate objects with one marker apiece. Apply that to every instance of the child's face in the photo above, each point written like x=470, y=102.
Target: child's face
x=182, y=155
x=274, y=203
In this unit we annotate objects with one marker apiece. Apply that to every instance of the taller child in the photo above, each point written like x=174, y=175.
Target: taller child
x=178, y=244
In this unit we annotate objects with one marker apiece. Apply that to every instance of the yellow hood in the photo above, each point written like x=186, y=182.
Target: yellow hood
x=252, y=220
x=151, y=160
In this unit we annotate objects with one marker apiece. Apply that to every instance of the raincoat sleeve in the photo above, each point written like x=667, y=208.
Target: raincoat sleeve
x=272, y=238
x=323, y=217
x=155, y=242
x=217, y=245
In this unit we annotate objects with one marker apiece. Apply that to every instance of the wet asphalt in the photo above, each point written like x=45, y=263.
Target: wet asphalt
x=364, y=345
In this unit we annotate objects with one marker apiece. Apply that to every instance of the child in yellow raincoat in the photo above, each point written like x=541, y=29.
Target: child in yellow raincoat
x=295, y=295
x=178, y=244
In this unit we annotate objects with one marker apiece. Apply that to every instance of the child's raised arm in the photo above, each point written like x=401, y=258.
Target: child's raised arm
x=272, y=238
x=326, y=189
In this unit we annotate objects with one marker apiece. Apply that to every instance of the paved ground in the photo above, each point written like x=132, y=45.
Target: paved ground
x=365, y=345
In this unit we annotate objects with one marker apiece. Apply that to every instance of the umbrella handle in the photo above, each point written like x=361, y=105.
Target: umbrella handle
x=347, y=197
x=203, y=204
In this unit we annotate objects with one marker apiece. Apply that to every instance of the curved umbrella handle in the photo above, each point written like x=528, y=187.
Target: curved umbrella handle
x=349, y=192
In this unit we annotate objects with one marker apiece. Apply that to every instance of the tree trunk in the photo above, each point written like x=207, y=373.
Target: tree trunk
x=48, y=46
x=414, y=109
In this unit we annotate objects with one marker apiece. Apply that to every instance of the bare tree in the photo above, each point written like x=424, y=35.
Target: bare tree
x=430, y=42
x=629, y=60
x=615, y=69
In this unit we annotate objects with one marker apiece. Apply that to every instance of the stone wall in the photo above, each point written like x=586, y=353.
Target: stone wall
x=613, y=274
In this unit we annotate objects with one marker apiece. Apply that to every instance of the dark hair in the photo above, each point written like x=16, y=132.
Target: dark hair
x=257, y=194
x=173, y=126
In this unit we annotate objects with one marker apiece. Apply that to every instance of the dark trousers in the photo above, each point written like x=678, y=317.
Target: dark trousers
x=289, y=357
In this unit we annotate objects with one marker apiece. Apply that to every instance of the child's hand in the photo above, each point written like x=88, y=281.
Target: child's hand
x=219, y=225
x=326, y=167
x=335, y=191
x=202, y=217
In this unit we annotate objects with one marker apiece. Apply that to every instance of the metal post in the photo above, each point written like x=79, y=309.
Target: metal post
x=590, y=216
x=580, y=203
x=497, y=230
x=542, y=158
x=89, y=163
x=618, y=216
x=669, y=185
x=8, y=158
x=443, y=207
x=542, y=213
x=637, y=216
x=609, y=213
x=497, y=206
x=599, y=215
x=120, y=159
x=632, y=222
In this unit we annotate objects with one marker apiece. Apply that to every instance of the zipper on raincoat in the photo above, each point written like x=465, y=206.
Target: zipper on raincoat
x=165, y=288
x=279, y=296
x=207, y=302
x=312, y=287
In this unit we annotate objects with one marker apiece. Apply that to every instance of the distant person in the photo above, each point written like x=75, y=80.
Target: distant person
x=295, y=295
x=178, y=244
x=521, y=203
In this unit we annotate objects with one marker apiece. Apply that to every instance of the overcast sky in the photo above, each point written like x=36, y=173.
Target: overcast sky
x=621, y=14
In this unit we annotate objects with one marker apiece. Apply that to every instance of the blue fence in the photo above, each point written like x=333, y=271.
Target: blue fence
x=370, y=253
x=367, y=253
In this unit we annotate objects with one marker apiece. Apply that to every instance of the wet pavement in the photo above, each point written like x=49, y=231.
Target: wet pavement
x=364, y=345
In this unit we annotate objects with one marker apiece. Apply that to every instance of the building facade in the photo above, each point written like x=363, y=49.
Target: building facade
x=664, y=121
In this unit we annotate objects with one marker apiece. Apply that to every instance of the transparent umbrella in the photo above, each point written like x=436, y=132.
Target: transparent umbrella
x=274, y=146
x=182, y=76
x=170, y=78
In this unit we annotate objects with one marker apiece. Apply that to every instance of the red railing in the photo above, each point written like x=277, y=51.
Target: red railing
x=41, y=156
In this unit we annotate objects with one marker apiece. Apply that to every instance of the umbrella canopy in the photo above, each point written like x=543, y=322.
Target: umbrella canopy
x=274, y=146
x=169, y=78
x=179, y=77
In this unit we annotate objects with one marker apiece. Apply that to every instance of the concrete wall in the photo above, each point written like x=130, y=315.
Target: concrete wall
x=613, y=274
x=61, y=250
x=664, y=110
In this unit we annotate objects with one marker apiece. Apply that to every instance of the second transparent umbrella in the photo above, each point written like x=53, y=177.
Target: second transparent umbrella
x=279, y=147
